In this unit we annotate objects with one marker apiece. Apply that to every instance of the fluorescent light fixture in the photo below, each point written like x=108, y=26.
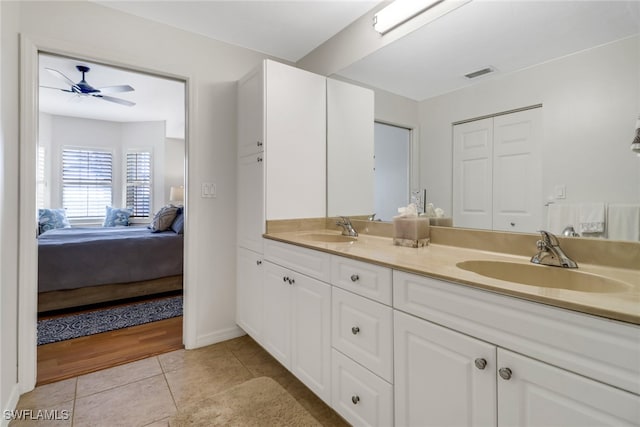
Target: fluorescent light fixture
x=401, y=11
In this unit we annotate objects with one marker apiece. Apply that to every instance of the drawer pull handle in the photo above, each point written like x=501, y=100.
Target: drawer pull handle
x=285, y=279
x=259, y=159
x=355, y=277
x=292, y=281
x=505, y=373
x=355, y=330
x=480, y=363
x=258, y=262
x=355, y=399
x=259, y=144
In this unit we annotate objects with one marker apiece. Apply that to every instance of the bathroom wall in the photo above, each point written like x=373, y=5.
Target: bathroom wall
x=590, y=105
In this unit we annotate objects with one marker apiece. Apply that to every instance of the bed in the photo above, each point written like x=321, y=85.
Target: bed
x=81, y=266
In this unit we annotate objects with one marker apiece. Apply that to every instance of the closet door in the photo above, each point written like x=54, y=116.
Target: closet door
x=473, y=174
x=517, y=173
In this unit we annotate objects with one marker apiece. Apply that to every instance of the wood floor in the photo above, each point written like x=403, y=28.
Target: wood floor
x=66, y=359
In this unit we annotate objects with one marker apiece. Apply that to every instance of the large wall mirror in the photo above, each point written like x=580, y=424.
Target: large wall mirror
x=577, y=63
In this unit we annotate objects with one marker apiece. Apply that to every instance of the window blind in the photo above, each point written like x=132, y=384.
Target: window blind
x=139, y=183
x=86, y=182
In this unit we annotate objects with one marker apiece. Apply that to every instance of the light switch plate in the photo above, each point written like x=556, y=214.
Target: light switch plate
x=560, y=191
x=208, y=190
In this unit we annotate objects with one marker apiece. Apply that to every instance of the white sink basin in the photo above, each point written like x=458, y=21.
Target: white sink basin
x=544, y=276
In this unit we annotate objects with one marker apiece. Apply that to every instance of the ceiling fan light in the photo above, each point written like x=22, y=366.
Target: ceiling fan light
x=401, y=11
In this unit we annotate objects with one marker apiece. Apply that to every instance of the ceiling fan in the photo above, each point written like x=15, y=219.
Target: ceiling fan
x=82, y=88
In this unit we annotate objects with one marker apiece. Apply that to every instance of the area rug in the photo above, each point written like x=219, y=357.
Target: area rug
x=108, y=319
x=258, y=402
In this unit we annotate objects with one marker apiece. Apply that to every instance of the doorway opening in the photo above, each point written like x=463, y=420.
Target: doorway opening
x=110, y=200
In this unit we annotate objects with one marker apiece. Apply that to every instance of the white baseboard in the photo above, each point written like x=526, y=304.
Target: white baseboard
x=218, y=336
x=10, y=405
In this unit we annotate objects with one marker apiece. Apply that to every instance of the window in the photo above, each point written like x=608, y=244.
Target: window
x=139, y=183
x=86, y=182
x=41, y=183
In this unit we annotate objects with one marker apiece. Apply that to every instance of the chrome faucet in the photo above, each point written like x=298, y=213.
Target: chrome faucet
x=347, y=228
x=550, y=253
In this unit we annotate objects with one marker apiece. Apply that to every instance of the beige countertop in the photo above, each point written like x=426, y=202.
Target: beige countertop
x=439, y=261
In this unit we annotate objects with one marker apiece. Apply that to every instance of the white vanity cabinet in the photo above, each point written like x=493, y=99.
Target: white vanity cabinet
x=544, y=366
x=250, y=292
x=362, y=340
x=297, y=314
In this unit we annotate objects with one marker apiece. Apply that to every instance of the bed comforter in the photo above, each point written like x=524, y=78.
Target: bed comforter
x=70, y=258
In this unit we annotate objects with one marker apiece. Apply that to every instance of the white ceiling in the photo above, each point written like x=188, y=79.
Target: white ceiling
x=157, y=99
x=285, y=29
x=508, y=35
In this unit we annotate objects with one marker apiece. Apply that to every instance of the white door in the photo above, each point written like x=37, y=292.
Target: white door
x=249, y=293
x=277, y=312
x=391, y=176
x=311, y=334
x=437, y=381
x=517, y=173
x=537, y=394
x=251, y=223
x=473, y=174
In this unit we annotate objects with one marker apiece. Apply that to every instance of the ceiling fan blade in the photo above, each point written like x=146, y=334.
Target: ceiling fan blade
x=61, y=76
x=116, y=89
x=116, y=100
x=57, y=88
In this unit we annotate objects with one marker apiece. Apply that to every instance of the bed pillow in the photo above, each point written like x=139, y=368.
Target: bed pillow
x=49, y=219
x=163, y=219
x=117, y=217
x=178, y=224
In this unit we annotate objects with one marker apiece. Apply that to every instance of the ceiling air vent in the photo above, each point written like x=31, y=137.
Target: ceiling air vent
x=479, y=73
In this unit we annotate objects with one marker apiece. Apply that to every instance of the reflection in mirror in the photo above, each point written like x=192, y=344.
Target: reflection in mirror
x=579, y=60
x=391, y=174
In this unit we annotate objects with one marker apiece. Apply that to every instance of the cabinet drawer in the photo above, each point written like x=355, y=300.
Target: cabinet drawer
x=363, y=330
x=369, y=280
x=315, y=264
x=362, y=398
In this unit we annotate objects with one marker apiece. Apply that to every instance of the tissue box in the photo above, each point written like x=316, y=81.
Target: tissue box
x=411, y=231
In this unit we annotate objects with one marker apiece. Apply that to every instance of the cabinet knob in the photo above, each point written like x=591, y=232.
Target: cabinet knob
x=513, y=224
x=259, y=262
x=505, y=373
x=259, y=144
x=480, y=363
x=285, y=279
x=355, y=399
x=292, y=281
x=259, y=159
x=355, y=277
x=355, y=330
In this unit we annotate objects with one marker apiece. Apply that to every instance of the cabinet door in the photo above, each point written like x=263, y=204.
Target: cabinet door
x=249, y=293
x=537, y=394
x=437, y=381
x=277, y=313
x=295, y=144
x=350, y=117
x=251, y=221
x=250, y=114
x=311, y=334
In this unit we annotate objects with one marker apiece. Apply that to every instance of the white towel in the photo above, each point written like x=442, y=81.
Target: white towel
x=591, y=218
x=623, y=222
x=560, y=215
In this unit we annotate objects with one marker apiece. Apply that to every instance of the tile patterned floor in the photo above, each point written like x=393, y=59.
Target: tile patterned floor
x=148, y=392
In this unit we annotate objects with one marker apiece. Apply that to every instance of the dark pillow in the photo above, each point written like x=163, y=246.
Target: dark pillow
x=163, y=219
x=116, y=217
x=49, y=219
x=178, y=224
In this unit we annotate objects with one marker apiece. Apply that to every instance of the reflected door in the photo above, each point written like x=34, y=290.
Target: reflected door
x=391, y=174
